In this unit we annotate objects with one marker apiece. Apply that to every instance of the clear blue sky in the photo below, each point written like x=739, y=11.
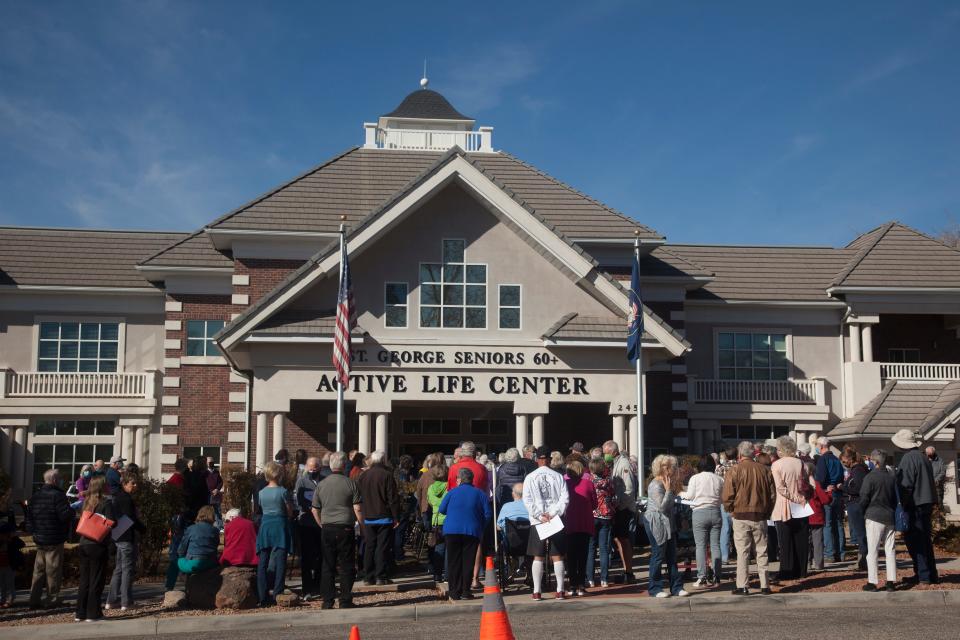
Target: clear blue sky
x=733, y=122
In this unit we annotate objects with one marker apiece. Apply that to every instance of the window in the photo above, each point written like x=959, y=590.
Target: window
x=752, y=356
x=78, y=346
x=75, y=428
x=395, y=304
x=903, y=355
x=200, y=337
x=431, y=427
x=734, y=433
x=453, y=293
x=189, y=453
x=68, y=458
x=488, y=427
x=509, y=306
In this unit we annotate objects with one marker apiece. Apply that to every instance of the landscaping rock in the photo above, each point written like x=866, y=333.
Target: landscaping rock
x=238, y=589
x=288, y=599
x=202, y=588
x=174, y=599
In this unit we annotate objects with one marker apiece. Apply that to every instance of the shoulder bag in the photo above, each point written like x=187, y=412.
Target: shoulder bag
x=901, y=521
x=94, y=526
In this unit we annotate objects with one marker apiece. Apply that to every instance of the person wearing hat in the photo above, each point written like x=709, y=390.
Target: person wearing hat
x=918, y=494
x=545, y=496
x=114, y=486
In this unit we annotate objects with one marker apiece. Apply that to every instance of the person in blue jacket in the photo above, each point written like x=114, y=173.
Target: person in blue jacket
x=829, y=475
x=467, y=510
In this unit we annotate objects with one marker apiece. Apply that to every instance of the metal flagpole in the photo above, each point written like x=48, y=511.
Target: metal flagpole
x=339, y=385
x=641, y=476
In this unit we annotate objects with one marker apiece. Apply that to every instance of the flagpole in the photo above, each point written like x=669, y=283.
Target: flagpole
x=641, y=476
x=339, y=385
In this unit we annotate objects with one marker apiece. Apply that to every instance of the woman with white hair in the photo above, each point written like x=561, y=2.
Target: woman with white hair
x=793, y=531
x=660, y=523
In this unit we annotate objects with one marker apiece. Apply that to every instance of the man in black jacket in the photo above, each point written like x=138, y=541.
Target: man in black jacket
x=918, y=494
x=49, y=516
x=381, y=513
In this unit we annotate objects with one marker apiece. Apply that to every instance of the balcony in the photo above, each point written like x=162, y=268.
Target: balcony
x=428, y=139
x=39, y=392
x=758, y=391
x=919, y=371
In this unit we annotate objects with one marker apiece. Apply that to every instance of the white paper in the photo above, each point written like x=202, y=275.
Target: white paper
x=547, y=529
x=800, y=511
x=121, y=527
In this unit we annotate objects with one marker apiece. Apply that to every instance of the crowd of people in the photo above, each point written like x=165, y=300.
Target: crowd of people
x=345, y=516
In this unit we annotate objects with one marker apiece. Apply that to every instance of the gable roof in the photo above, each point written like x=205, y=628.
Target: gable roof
x=894, y=255
x=302, y=323
x=426, y=104
x=194, y=250
x=77, y=257
x=912, y=405
x=360, y=234
x=764, y=273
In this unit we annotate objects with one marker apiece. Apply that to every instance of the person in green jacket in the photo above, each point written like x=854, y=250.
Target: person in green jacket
x=435, y=493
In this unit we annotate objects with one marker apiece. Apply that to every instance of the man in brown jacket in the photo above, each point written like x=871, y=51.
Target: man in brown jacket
x=749, y=495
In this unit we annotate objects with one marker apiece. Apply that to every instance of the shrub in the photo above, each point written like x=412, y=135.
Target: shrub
x=157, y=503
x=238, y=484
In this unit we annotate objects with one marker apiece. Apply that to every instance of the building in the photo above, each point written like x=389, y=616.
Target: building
x=491, y=306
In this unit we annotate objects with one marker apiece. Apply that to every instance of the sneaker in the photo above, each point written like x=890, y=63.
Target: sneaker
x=581, y=593
x=604, y=584
x=662, y=594
x=570, y=593
x=590, y=584
x=76, y=619
x=682, y=594
x=701, y=583
x=537, y=597
x=560, y=596
x=124, y=608
x=869, y=587
x=107, y=606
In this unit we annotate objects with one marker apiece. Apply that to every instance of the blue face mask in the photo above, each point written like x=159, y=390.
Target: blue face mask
x=87, y=474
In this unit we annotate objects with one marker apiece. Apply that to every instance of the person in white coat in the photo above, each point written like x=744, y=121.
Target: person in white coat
x=546, y=498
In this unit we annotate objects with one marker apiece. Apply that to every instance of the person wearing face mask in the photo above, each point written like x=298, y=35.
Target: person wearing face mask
x=311, y=545
x=86, y=472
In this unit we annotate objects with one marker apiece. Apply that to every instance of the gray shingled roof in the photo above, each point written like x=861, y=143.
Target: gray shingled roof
x=662, y=262
x=77, y=257
x=765, y=273
x=895, y=255
x=901, y=405
x=574, y=326
x=195, y=250
x=302, y=322
x=360, y=181
x=426, y=104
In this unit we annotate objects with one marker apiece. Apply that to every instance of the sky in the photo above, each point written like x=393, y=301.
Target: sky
x=734, y=122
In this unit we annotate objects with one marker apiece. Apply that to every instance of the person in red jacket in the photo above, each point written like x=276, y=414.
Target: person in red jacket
x=239, y=541
x=468, y=454
x=816, y=500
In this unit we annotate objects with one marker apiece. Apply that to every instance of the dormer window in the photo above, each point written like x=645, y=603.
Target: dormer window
x=453, y=293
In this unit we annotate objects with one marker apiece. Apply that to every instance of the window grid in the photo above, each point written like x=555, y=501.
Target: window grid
x=745, y=355
x=903, y=355
x=453, y=292
x=75, y=428
x=509, y=298
x=734, y=433
x=68, y=458
x=430, y=427
x=78, y=346
x=200, y=337
x=395, y=304
x=488, y=427
x=204, y=451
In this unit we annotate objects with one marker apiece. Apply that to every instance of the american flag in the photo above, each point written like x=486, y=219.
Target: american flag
x=346, y=320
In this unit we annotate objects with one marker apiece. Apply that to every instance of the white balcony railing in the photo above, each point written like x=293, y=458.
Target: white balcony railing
x=758, y=391
x=37, y=384
x=428, y=139
x=919, y=371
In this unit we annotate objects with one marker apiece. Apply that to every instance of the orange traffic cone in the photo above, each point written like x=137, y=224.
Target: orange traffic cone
x=494, y=624
x=354, y=633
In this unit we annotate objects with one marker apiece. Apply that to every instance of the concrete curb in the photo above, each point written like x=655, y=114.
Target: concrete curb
x=272, y=622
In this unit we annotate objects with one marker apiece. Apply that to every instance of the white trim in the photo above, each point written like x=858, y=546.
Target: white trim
x=296, y=339
x=203, y=360
x=787, y=332
x=237, y=397
x=173, y=305
x=182, y=270
x=172, y=344
x=405, y=305
x=168, y=420
x=215, y=231
x=236, y=416
x=172, y=325
x=170, y=401
x=121, y=322
x=624, y=241
x=843, y=289
x=587, y=343
x=37, y=288
x=834, y=304
x=464, y=306
x=240, y=280
x=171, y=381
x=518, y=307
x=240, y=298
x=171, y=363
x=236, y=456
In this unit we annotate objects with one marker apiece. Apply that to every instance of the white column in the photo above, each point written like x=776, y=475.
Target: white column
x=868, y=343
x=278, y=422
x=634, y=438
x=619, y=428
x=126, y=443
x=139, y=446
x=18, y=457
x=363, y=440
x=521, y=431
x=380, y=444
x=261, y=458
x=538, y=430
x=6, y=454
x=855, y=343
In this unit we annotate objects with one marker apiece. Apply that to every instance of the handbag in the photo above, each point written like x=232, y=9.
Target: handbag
x=94, y=526
x=901, y=520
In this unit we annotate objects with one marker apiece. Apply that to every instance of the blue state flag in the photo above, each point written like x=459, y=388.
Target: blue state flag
x=635, y=319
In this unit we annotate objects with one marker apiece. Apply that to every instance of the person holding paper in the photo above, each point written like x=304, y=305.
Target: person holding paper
x=546, y=498
x=791, y=511
x=124, y=536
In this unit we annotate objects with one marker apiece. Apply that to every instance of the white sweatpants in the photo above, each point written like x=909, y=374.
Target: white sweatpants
x=881, y=534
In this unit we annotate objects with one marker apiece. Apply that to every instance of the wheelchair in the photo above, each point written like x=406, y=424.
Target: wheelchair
x=512, y=565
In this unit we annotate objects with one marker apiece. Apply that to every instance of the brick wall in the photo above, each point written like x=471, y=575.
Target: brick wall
x=666, y=424
x=263, y=275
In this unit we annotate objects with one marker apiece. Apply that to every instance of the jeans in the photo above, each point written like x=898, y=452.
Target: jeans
x=377, y=538
x=93, y=565
x=881, y=534
x=919, y=539
x=602, y=530
x=658, y=554
x=726, y=535
x=816, y=545
x=858, y=529
x=311, y=558
x=832, y=530
x=124, y=569
x=438, y=555
x=47, y=571
x=707, y=523
x=339, y=545
x=750, y=535
x=272, y=562
x=173, y=571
